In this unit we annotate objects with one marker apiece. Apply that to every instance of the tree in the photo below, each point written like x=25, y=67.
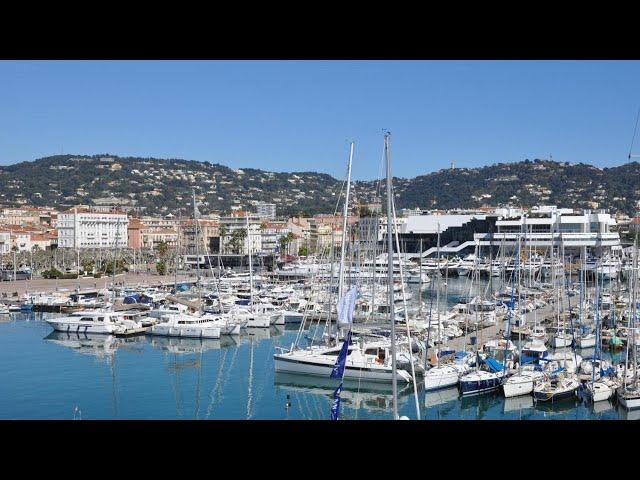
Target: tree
x=163, y=249
x=303, y=251
x=88, y=265
x=237, y=240
x=121, y=266
x=364, y=211
x=222, y=232
x=161, y=267
x=285, y=240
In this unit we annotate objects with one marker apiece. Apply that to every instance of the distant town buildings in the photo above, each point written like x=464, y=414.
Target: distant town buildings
x=262, y=233
x=84, y=228
x=266, y=210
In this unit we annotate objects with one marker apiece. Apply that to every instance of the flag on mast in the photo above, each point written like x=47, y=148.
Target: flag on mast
x=346, y=306
x=338, y=367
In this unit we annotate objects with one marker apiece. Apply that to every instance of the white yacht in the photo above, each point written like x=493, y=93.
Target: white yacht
x=608, y=268
x=466, y=266
x=521, y=383
x=629, y=396
x=441, y=377
x=602, y=389
x=184, y=325
x=89, y=322
x=369, y=362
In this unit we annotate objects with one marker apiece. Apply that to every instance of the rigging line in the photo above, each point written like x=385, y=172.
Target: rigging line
x=250, y=393
x=404, y=304
x=635, y=130
x=198, y=383
x=216, y=385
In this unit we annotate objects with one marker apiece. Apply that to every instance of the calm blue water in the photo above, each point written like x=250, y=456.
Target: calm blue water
x=46, y=375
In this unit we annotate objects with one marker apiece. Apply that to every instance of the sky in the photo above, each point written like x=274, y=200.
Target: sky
x=301, y=115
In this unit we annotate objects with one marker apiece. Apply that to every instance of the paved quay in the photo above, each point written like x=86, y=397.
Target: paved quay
x=37, y=285
x=484, y=335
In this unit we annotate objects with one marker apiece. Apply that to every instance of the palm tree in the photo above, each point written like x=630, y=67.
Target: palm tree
x=222, y=232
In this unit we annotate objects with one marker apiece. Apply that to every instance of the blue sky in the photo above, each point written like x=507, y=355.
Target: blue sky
x=300, y=115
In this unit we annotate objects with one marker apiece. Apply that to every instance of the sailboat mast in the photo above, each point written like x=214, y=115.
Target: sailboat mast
x=390, y=226
x=175, y=271
x=115, y=264
x=344, y=224
x=250, y=263
x=195, y=222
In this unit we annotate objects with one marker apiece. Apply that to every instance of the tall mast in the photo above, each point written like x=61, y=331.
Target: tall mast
x=344, y=225
x=195, y=222
x=115, y=264
x=437, y=292
x=390, y=226
x=420, y=294
x=175, y=272
x=250, y=263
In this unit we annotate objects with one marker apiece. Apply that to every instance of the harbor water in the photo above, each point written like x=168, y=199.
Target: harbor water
x=53, y=375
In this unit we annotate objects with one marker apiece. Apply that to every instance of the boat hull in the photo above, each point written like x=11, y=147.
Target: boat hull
x=554, y=397
x=319, y=367
x=82, y=327
x=515, y=388
x=628, y=402
x=436, y=379
x=186, y=332
x=473, y=387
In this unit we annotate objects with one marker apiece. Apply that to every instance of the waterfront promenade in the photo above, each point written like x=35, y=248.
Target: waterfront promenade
x=69, y=285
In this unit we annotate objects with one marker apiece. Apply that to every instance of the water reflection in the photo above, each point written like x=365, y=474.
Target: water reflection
x=441, y=403
x=518, y=405
x=479, y=405
x=624, y=414
x=179, y=345
x=561, y=407
x=97, y=345
x=601, y=407
x=356, y=395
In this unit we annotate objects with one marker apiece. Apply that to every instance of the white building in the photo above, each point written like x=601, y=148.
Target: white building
x=252, y=242
x=550, y=225
x=368, y=226
x=266, y=210
x=82, y=228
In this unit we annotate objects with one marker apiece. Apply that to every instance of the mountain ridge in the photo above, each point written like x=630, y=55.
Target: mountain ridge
x=160, y=186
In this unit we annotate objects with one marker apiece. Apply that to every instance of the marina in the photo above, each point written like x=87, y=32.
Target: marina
x=285, y=272
x=233, y=377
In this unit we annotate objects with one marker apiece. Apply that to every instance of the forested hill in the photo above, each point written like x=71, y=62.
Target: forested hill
x=164, y=185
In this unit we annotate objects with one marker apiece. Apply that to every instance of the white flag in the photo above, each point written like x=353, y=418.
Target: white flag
x=346, y=306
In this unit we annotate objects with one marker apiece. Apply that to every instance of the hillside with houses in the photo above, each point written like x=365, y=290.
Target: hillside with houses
x=163, y=186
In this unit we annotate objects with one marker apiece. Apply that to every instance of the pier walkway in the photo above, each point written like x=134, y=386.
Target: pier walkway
x=484, y=335
x=44, y=285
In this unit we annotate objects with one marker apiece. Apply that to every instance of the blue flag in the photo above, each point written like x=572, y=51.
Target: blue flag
x=338, y=367
x=335, y=405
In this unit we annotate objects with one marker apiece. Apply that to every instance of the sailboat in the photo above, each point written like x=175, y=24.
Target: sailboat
x=488, y=373
x=523, y=381
x=446, y=375
x=373, y=361
x=628, y=394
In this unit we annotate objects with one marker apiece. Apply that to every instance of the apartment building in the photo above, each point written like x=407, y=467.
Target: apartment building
x=84, y=228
